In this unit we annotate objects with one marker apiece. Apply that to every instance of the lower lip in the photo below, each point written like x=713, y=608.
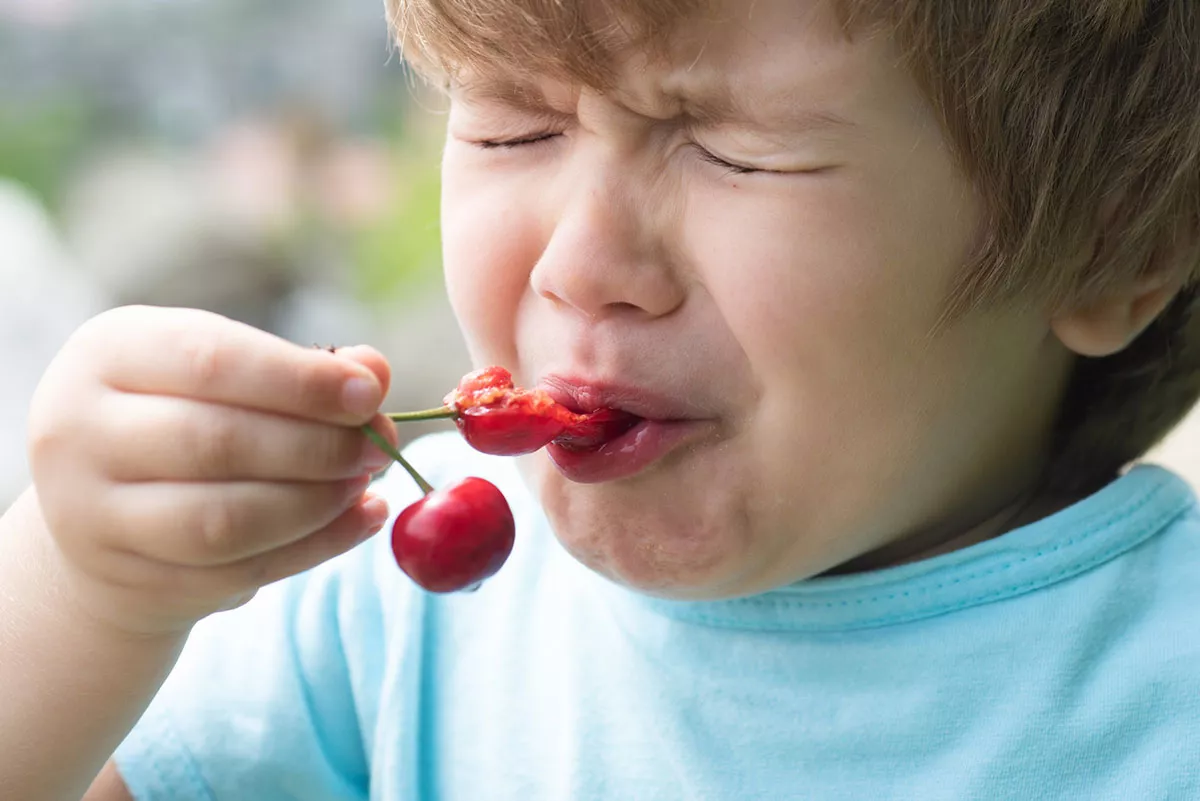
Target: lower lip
x=628, y=454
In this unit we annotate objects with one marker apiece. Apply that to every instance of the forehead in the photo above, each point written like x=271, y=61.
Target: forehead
x=769, y=60
x=584, y=41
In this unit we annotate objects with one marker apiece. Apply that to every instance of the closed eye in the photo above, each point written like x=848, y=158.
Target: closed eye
x=508, y=144
x=733, y=169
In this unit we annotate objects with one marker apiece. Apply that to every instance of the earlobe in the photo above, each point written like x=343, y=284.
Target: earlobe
x=1108, y=324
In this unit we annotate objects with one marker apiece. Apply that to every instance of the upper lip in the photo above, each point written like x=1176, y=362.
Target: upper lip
x=587, y=395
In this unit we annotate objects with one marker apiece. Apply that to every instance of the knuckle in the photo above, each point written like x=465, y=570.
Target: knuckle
x=218, y=529
x=317, y=383
x=214, y=447
x=337, y=451
x=201, y=357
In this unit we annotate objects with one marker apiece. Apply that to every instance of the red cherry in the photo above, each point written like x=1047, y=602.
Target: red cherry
x=497, y=418
x=501, y=419
x=508, y=430
x=454, y=537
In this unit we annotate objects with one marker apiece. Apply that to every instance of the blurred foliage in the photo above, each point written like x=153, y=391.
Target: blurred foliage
x=401, y=250
x=116, y=77
x=42, y=145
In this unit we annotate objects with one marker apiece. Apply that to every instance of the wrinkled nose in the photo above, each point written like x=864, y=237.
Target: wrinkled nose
x=610, y=253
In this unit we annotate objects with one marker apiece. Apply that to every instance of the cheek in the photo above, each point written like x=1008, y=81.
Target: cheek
x=833, y=284
x=797, y=280
x=833, y=295
x=840, y=269
x=490, y=241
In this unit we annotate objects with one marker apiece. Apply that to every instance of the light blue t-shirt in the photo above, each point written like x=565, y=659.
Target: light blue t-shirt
x=1058, y=661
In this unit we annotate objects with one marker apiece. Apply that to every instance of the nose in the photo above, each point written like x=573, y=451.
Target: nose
x=609, y=253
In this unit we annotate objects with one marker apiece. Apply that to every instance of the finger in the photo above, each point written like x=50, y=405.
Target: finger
x=371, y=359
x=193, y=590
x=191, y=353
x=203, y=524
x=356, y=525
x=159, y=438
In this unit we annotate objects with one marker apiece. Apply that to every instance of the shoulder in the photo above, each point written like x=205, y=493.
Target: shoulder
x=1174, y=551
x=1154, y=592
x=1173, y=559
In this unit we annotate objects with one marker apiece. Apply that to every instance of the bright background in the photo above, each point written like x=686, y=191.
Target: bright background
x=271, y=160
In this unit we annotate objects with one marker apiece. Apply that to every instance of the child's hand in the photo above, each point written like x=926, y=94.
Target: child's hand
x=182, y=461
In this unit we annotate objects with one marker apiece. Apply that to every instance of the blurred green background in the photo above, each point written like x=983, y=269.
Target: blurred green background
x=271, y=160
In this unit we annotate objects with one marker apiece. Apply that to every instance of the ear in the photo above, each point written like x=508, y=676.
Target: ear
x=1110, y=323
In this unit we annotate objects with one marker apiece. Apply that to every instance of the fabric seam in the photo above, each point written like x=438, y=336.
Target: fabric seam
x=1095, y=528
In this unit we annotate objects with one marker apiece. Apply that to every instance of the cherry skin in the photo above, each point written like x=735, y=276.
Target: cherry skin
x=454, y=537
x=508, y=430
x=497, y=418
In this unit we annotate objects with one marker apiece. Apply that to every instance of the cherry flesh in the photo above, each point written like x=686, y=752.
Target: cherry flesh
x=454, y=537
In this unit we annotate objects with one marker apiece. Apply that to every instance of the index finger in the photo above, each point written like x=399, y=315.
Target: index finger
x=197, y=354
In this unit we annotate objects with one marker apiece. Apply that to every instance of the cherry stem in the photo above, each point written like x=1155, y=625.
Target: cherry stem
x=441, y=413
x=387, y=448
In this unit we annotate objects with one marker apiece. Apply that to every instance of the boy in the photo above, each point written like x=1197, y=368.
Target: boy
x=898, y=290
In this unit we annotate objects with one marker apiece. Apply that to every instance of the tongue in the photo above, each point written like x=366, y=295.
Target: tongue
x=595, y=429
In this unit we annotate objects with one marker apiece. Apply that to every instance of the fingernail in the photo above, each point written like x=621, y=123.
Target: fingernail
x=361, y=396
x=375, y=511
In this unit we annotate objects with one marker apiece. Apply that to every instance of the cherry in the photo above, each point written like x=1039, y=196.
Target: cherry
x=508, y=430
x=455, y=537
x=496, y=417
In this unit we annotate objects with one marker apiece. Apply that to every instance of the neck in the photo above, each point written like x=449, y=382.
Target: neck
x=1024, y=507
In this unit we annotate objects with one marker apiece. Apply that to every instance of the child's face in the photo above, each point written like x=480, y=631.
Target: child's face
x=785, y=313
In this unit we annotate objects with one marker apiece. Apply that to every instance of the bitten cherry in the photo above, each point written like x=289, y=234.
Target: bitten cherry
x=498, y=418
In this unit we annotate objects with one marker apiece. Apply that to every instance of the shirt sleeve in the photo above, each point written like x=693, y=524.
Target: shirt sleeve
x=260, y=704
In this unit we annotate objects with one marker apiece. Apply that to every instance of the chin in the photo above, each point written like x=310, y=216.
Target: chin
x=623, y=531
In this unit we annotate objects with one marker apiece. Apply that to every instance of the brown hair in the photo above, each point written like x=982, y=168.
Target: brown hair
x=1077, y=120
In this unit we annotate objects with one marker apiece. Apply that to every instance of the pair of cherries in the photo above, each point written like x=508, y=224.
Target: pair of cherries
x=457, y=536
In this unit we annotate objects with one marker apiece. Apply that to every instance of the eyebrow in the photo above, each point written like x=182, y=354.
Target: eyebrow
x=716, y=106
x=523, y=96
x=710, y=107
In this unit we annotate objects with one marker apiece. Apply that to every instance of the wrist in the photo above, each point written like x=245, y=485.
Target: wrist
x=79, y=683
x=52, y=589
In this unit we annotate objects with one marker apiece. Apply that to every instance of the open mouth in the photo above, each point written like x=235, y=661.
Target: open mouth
x=596, y=429
x=620, y=431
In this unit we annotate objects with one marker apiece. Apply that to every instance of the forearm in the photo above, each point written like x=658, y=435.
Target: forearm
x=70, y=688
